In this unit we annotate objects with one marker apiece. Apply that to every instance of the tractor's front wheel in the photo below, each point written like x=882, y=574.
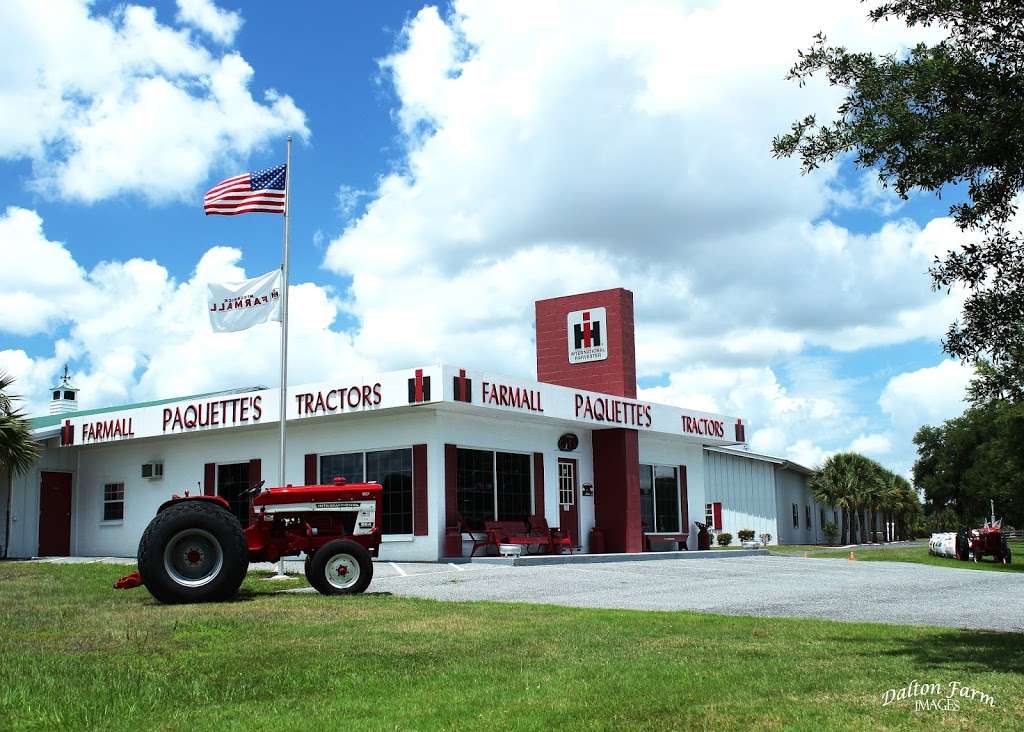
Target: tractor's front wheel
x=193, y=551
x=340, y=567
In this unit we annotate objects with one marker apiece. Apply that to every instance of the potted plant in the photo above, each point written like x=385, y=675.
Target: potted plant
x=747, y=539
x=766, y=539
x=724, y=539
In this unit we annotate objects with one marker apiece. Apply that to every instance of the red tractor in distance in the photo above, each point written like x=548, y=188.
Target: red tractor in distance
x=989, y=539
x=195, y=550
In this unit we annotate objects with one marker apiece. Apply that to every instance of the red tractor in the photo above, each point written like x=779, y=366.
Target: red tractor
x=989, y=539
x=195, y=550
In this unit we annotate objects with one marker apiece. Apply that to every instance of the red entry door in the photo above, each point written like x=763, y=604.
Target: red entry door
x=55, y=515
x=568, y=499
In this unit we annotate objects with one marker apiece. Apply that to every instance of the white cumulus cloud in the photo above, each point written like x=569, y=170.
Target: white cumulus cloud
x=134, y=333
x=926, y=396
x=541, y=162
x=220, y=24
x=121, y=104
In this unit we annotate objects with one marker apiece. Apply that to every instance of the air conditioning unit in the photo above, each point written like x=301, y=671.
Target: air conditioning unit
x=153, y=471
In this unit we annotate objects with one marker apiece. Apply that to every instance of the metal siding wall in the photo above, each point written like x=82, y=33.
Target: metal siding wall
x=793, y=489
x=5, y=489
x=746, y=489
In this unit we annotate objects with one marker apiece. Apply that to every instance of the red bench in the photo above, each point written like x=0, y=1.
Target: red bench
x=651, y=539
x=533, y=535
x=514, y=532
x=556, y=538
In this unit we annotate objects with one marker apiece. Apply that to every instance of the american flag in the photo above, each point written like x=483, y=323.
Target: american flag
x=259, y=192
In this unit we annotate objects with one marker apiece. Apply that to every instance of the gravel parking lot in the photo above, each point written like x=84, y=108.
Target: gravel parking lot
x=887, y=592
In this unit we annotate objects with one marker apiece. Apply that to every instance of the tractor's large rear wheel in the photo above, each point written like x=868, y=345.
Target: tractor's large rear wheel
x=340, y=567
x=193, y=551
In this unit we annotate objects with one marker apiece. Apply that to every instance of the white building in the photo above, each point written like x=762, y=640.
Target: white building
x=451, y=446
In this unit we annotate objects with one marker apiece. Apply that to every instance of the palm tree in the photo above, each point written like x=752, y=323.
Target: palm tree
x=880, y=491
x=888, y=493
x=830, y=486
x=905, y=506
x=858, y=498
x=18, y=451
x=852, y=482
x=833, y=483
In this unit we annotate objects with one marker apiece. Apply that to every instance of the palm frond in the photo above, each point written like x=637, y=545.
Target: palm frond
x=18, y=451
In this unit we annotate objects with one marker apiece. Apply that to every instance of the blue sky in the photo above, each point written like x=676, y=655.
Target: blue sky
x=325, y=57
x=490, y=157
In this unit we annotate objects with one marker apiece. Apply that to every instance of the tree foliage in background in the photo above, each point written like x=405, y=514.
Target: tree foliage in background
x=863, y=489
x=947, y=114
x=979, y=456
x=18, y=451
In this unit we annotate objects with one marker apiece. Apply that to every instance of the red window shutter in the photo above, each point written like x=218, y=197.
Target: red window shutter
x=419, y=490
x=717, y=508
x=451, y=484
x=255, y=476
x=210, y=479
x=310, y=477
x=682, y=499
x=538, y=483
x=255, y=471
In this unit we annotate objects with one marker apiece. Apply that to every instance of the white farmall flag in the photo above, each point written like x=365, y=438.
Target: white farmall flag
x=237, y=306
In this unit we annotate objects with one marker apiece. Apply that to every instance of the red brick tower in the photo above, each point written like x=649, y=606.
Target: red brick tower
x=586, y=341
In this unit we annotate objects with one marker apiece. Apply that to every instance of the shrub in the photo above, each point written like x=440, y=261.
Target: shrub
x=831, y=532
x=745, y=534
x=724, y=539
x=766, y=539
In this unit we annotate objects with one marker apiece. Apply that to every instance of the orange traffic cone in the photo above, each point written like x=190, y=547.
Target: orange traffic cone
x=851, y=557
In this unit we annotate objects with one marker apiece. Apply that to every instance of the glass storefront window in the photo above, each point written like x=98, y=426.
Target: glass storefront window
x=647, y=498
x=659, y=499
x=391, y=468
x=493, y=486
x=666, y=499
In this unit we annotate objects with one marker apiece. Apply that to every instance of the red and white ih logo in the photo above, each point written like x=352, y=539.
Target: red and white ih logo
x=587, y=335
x=419, y=388
x=67, y=434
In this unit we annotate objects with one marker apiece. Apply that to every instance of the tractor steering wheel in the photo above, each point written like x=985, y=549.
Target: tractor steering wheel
x=254, y=490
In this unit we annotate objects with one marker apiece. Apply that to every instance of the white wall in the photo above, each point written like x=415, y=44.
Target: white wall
x=24, y=522
x=184, y=458
x=661, y=451
x=745, y=486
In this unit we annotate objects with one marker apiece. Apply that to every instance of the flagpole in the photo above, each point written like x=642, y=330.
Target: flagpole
x=284, y=326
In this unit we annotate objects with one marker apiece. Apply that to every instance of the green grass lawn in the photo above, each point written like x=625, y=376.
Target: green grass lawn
x=76, y=654
x=916, y=554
